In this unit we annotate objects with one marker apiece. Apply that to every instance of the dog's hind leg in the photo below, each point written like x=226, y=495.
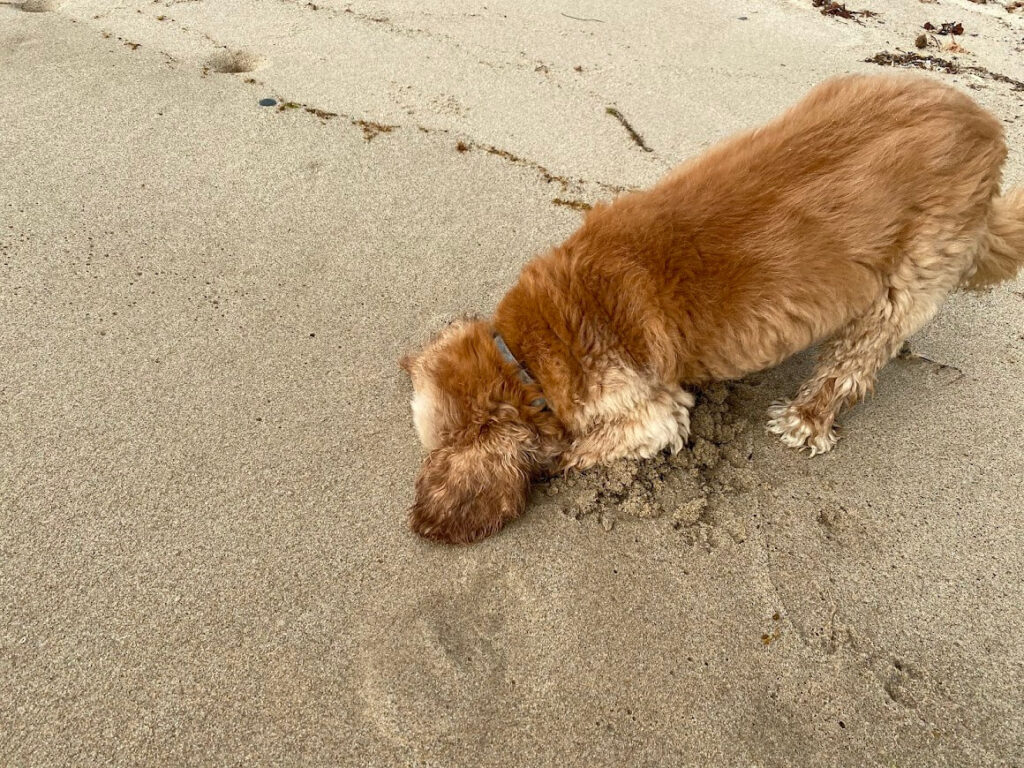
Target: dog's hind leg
x=849, y=361
x=640, y=431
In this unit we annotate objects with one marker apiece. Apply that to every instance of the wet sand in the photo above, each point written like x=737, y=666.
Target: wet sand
x=206, y=452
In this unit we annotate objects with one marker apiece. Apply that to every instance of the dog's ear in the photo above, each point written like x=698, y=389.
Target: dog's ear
x=466, y=493
x=406, y=361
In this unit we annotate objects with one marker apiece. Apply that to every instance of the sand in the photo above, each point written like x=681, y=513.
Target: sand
x=205, y=447
x=694, y=487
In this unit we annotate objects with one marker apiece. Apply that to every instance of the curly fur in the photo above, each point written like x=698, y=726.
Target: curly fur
x=845, y=221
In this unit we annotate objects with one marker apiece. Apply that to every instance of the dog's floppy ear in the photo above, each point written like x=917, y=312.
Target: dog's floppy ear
x=464, y=493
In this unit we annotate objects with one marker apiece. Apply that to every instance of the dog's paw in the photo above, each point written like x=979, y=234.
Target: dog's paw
x=682, y=402
x=798, y=432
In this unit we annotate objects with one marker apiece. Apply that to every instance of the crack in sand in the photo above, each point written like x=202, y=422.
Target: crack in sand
x=565, y=182
x=371, y=128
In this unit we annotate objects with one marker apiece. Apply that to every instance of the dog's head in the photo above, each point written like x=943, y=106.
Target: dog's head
x=486, y=435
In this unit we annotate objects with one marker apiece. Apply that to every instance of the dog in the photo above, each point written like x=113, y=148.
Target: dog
x=844, y=222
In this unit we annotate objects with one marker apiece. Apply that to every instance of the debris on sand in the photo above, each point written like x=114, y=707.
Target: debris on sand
x=323, y=114
x=946, y=28
x=831, y=8
x=576, y=205
x=633, y=134
x=915, y=60
x=908, y=354
x=371, y=128
x=692, y=488
x=939, y=64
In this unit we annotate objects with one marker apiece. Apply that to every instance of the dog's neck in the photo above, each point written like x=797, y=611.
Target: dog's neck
x=524, y=375
x=531, y=319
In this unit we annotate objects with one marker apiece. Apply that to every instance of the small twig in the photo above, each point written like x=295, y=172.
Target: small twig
x=906, y=353
x=637, y=138
x=581, y=18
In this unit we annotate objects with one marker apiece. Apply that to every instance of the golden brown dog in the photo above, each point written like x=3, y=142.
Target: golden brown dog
x=847, y=221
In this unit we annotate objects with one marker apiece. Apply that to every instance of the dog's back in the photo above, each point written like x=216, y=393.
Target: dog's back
x=777, y=237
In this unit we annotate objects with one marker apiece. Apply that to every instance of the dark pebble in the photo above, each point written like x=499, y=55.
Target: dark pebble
x=268, y=102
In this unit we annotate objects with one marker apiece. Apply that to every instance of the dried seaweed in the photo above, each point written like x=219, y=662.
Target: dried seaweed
x=939, y=64
x=633, y=134
x=946, y=28
x=576, y=205
x=832, y=8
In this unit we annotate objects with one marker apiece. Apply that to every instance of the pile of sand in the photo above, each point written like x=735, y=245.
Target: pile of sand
x=693, y=487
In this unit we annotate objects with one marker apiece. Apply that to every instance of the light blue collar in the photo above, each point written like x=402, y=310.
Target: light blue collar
x=524, y=376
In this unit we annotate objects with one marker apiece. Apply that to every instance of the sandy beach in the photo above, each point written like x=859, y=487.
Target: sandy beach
x=221, y=224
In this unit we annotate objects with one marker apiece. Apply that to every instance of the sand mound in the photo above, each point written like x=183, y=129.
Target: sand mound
x=694, y=487
x=233, y=62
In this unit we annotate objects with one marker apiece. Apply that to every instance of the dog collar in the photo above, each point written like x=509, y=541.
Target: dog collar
x=524, y=376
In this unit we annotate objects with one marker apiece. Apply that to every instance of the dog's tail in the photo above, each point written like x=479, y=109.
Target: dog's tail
x=1001, y=254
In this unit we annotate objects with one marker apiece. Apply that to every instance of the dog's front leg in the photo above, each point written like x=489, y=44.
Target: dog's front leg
x=639, y=431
